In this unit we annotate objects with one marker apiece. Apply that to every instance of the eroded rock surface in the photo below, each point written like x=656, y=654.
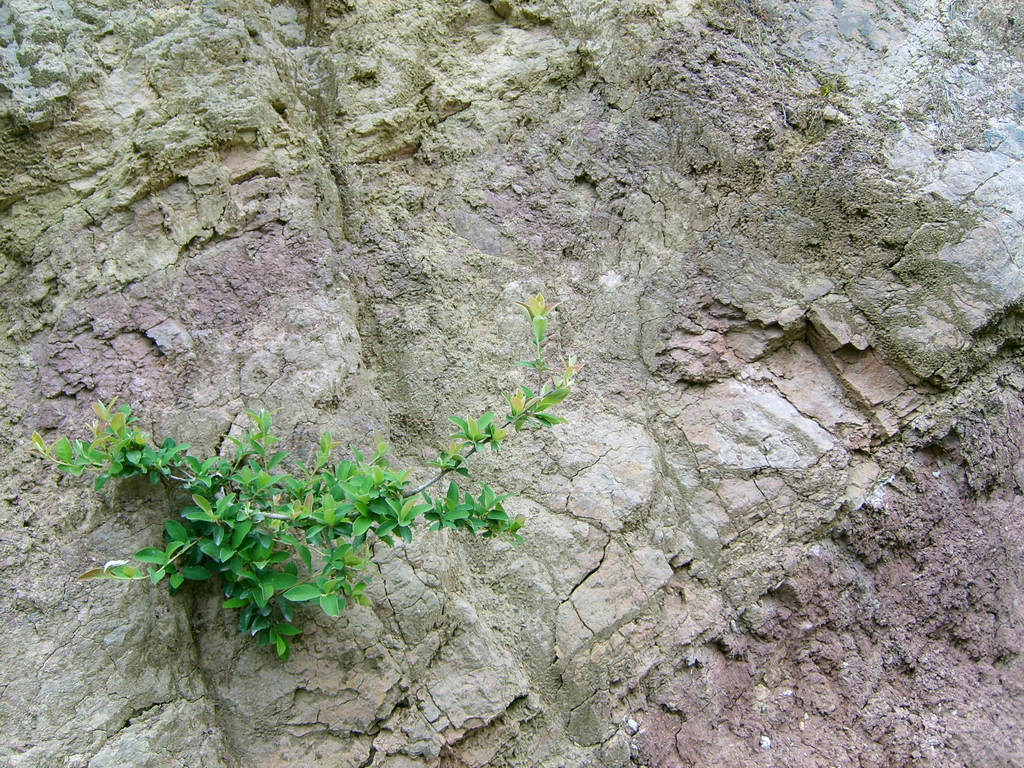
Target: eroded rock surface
x=784, y=524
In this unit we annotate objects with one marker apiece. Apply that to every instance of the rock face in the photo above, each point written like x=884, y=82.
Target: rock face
x=784, y=526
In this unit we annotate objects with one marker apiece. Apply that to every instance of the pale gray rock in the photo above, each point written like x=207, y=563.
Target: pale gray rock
x=474, y=678
x=621, y=585
x=612, y=469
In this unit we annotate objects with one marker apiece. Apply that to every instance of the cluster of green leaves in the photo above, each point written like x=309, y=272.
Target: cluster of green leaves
x=274, y=532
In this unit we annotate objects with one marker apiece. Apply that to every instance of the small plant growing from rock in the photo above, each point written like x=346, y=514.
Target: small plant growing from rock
x=276, y=532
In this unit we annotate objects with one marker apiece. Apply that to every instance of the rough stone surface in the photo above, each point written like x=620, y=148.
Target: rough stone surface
x=784, y=526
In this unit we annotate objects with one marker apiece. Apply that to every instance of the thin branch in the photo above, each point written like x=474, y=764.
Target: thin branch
x=276, y=516
x=180, y=552
x=470, y=449
x=421, y=488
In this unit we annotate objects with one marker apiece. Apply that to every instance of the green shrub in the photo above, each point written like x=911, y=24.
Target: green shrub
x=275, y=532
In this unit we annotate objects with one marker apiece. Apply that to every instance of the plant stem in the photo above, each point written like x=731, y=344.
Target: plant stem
x=419, y=489
x=276, y=516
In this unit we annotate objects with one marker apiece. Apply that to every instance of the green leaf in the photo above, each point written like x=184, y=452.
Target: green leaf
x=195, y=573
x=122, y=572
x=540, y=324
x=302, y=593
x=195, y=513
x=176, y=531
x=328, y=505
x=266, y=592
x=241, y=530
x=549, y=420
x=211, y=550
x=156, y=574
x=552, y=398
x=307, y=558
x=330, y=605
x=288, y=630
x=286, y=610
x=282, y=580
x=235, y=602
x=203, y=503
x=361, y=526
x=411, y=510
x=151, y=555
x=176, y=580
x=63, y=451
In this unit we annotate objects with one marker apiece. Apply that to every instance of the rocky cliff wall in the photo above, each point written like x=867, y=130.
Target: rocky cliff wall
x=784, y=526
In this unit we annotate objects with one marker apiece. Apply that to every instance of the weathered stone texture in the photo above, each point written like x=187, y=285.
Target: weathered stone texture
x=784, y=526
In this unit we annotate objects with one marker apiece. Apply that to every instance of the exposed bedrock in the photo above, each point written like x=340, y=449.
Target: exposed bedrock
x=784, y=524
